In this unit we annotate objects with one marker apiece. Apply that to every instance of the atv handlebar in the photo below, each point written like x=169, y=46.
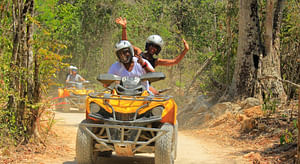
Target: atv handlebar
x=107, y=79
x=164, y=90
x=73, y=82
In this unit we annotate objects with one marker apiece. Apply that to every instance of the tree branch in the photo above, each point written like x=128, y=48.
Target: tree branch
x=281, y=80
x=200, y=71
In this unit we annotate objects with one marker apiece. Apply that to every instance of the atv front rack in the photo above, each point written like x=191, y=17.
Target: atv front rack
x=108, y=96
x=138, y=145
x=135, y=120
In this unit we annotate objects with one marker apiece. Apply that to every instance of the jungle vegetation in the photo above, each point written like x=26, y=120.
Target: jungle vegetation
x=238, y=49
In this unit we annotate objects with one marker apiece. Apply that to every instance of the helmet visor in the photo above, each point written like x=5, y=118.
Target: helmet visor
x=124, y=55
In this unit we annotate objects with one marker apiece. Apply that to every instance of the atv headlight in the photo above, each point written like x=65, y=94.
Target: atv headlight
x=94, y=108
x=157, y=111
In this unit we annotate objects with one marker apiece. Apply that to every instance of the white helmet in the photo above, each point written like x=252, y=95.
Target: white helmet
x=123, y=44
x=156, y=40
x=74, y=68
x=71, y=67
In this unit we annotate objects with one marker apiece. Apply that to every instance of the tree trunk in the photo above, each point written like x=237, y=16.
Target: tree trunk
x=229, y=39
x=22, y=66
x=271, y=56
x=246, y=65
x=298, y=146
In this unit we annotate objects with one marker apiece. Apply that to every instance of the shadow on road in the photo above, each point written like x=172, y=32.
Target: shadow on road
x=121, y=160
x=70, y=162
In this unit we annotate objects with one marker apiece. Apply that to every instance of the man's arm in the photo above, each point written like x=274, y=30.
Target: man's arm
x=170, y=62
x=80, y=77
x=68, y=78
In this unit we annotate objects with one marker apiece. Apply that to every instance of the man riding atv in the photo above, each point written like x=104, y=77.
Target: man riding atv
x=74, y=94
x=74, y=77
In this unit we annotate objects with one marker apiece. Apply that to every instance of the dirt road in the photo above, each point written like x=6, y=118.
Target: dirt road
x=191, y=150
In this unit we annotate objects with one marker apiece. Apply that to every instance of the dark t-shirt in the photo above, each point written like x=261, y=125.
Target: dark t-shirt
x=150, y=59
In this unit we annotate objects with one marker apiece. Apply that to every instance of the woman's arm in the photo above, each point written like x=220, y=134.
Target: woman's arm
x=137, y=51
x=123, y=23
x=145, y=64
x=153, y=90
x=148, y=68
x=170, y=62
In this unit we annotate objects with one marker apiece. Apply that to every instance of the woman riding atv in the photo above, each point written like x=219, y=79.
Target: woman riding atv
x=128, y=64
x=154, y=44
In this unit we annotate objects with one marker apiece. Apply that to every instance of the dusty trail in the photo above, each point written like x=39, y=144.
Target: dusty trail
x=191, y=150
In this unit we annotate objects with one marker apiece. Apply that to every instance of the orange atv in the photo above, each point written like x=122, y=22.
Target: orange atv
x=127, y=120
x=73, y=96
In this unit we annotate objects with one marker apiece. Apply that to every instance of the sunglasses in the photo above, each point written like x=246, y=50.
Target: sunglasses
x=123, y=51
x=154, y=46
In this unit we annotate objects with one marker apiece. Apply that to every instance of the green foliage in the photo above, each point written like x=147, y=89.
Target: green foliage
x=295, y=124
x=286, y=137
x=289, y=41
x=9, y=129
x=16, y=122
x=269, y=104
x=88, y=30
x=179, y=84
x=83, y=33
x=49, y=38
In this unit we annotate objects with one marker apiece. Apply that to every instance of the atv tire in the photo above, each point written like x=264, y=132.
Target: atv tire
x=85, y=147
x=175, y=141
x=105, y=154
x=164, y=145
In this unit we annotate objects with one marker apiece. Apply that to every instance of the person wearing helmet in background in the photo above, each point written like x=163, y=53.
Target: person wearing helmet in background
x=154, y=44
x=73, y=76
x=69, y=70
x=128, y=64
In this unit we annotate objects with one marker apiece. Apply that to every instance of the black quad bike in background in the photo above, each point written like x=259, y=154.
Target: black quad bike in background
x=127, y=120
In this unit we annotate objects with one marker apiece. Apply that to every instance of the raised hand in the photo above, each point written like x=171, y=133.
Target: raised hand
x=121, y=21
x=186, y=45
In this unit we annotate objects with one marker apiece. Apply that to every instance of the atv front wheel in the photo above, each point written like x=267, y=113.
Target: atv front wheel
x=164, y=145
x=175, y=140
x=85, y=147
